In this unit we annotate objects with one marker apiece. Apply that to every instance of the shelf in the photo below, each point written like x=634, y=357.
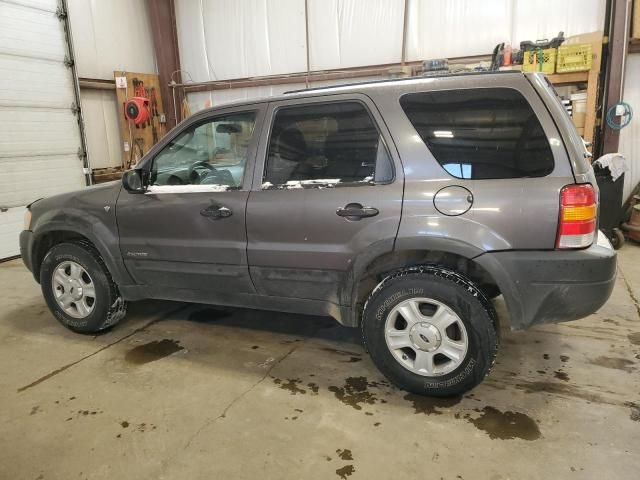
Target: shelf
x=569, y=78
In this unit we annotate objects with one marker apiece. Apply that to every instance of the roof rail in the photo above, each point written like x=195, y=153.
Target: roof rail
x=391, y=80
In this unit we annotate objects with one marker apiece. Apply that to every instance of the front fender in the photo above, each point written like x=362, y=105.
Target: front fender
x=90, y=213
x=88, y=226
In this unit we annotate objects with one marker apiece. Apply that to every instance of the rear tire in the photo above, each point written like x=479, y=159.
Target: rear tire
x=78, y=288
x=449, y=340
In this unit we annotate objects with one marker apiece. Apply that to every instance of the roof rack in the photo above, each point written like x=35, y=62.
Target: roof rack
x=391, y=80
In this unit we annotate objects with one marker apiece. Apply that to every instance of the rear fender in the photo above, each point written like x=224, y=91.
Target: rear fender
x=349, y=296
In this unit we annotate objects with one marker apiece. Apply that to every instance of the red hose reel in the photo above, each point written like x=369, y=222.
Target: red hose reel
x=136, y=110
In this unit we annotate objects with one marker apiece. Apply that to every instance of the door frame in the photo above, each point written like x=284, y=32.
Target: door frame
x=363, y=257
x=182, y=192
x=208, y=115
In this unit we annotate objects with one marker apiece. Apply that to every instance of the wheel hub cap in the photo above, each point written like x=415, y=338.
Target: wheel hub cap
x=73, y=289
x=425, y=337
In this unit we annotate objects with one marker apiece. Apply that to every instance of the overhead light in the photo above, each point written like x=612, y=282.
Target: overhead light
x=443, y=134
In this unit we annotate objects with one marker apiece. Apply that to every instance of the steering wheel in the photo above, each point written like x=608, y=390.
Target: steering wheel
x=194, y=176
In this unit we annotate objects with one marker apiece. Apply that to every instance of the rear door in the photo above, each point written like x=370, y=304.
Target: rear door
x=328, y=186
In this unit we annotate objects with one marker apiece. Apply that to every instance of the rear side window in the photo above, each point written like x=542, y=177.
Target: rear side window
x=482, y=133
x=325, y=144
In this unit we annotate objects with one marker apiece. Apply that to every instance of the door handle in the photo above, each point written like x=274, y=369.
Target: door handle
x=215, y=212
x=355, y=211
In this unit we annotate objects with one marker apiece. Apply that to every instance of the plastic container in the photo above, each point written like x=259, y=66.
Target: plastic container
x=574, y=58
x=610, y=214
x=539, y=60
x=579, y=108
x=506, y=59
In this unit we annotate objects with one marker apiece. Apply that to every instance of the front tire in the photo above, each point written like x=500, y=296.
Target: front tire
x=78, y=288
x=430, y=331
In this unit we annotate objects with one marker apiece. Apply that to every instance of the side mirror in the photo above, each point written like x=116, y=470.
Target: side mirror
x=133, y=181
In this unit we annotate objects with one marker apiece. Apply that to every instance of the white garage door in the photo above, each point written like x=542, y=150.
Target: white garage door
x=39, y=133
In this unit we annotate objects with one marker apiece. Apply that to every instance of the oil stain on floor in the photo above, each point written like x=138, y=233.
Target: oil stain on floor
x=355, y=392
x=152, y=351
x=344, y=454
x=614, y=362
x=345, y=471
x=635, y=411
x=292, y=385
x=560, y=375
x=634, y=338
x=506, y=425
x=431, y=405
x=557, y=388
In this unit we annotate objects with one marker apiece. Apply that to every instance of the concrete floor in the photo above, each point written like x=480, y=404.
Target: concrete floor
x=187, y=391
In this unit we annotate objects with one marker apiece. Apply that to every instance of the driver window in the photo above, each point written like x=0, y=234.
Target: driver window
x=212, y=153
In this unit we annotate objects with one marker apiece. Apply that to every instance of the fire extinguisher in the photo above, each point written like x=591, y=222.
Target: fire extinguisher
x=136, y=110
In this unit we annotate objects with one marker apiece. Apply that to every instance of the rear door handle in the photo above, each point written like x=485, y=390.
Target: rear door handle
x=355, y=211
x=215, y=212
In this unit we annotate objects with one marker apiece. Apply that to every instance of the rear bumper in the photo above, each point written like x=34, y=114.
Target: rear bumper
x=26, y=248
x=553, y=286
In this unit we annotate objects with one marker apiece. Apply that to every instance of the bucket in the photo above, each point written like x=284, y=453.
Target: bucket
x=579, y=108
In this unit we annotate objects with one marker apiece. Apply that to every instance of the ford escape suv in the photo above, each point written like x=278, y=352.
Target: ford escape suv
x=400, y=207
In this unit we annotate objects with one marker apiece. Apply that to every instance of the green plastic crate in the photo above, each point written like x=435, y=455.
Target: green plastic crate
x=540, y=60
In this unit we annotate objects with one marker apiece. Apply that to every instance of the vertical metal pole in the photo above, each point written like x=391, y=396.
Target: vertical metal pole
x=404, y=32
x=63, y=15
x=306, y=31
x=616, y=59
x=162, y=18
x=175, y=107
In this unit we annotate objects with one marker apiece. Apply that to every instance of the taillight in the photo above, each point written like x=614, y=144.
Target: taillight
x=578, y=213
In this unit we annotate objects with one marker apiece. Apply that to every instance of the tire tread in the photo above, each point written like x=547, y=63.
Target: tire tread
x=449, y=276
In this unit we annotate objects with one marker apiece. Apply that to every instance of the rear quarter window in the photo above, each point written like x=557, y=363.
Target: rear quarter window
x=481, y=133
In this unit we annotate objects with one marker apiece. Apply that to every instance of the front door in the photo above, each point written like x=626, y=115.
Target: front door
x=326, y=188
x=188, y=230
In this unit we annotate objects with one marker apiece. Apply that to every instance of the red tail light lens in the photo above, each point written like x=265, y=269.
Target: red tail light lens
x=578, y=214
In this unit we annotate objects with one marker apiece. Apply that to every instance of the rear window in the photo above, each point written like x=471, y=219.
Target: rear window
x=481, y=133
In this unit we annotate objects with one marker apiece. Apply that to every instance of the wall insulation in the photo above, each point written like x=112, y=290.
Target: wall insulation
x=100, y=110
x=109, y=35
x=221, y=40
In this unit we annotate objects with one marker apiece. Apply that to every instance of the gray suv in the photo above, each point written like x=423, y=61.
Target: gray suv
x=401, y=207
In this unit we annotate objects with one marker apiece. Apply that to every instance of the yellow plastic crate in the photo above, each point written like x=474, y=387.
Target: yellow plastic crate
x=531, y=61
x=574, y=58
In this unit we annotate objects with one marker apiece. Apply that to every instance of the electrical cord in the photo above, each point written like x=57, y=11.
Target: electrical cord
x=611, y=115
